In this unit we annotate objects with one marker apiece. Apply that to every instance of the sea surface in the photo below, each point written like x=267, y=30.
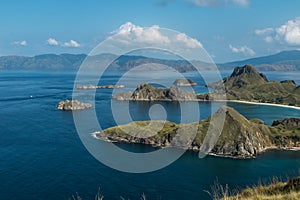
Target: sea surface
x=42, y=156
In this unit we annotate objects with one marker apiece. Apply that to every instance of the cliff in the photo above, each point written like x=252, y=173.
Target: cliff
x=240, y=137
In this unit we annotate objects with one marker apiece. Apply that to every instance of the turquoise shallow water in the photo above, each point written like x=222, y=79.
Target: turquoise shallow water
x=42, y=157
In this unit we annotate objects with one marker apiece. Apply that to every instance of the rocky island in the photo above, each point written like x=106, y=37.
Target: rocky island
x=244, y=84
x=240, y=137
x=182, y=82
x=99, y=86
x=72, y=105
x=247, y=84
x=146, y=92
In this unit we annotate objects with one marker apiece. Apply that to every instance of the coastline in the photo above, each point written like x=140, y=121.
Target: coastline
x=259, y=103
x=94, y=135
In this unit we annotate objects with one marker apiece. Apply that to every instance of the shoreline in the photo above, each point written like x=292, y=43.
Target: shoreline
x=233, y=101
x=260, y=103
x=94, y=135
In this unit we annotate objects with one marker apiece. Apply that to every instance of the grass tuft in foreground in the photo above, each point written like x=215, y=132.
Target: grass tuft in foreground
x=277, y=190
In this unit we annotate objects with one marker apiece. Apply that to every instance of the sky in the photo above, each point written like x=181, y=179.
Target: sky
x=227, y=29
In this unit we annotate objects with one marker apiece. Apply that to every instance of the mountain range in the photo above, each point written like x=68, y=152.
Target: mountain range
x=283, y=61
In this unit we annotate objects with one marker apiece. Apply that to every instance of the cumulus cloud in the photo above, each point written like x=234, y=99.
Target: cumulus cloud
x=288, y=33
x=189, y=42
x=21, y=43
x=52, y=42
x=210, y=3
x=71, y=43
x=243, y=49
x=129, y=33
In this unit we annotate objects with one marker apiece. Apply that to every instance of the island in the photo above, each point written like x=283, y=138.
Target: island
x=72, y=105
x=240, y=137
x=245, y=84
x=99, y=86
x=182, y=82
x=146, y=92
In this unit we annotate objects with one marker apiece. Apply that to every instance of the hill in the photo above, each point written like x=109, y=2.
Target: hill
x=72, y=62
x=247, y=84
x=240, y=137
x=282, y=61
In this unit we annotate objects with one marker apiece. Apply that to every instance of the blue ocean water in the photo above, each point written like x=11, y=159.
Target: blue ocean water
x=42, y=157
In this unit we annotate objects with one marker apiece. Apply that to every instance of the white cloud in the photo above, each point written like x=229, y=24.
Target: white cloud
x=243, y=49
x=264, y=31
x=71, y=43
x=241, y=2
x=288, y=33
x=269, y=39
x=52, y=42
x=210, y=3
x=189, y=42
x=21, y=43
x=129, y=33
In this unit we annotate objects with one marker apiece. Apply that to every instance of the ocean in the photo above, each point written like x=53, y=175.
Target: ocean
x=42, y=156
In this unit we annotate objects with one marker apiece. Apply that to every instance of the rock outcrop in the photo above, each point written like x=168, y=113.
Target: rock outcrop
x=182, y=82
x=240, y=137
x=146, y=92
x=287, y=123
x=72, y=105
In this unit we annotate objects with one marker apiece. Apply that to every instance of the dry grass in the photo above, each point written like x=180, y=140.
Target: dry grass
x=277, y=190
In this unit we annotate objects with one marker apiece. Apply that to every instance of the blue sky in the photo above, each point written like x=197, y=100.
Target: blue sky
x=227, y=29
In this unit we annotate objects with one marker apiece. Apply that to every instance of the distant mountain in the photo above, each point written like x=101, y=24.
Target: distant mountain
x=72, y=62
x=43, y=62
x=283, y=61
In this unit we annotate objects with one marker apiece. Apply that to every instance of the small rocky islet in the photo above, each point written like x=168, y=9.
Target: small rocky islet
x=70, y=105
x=183, y=82
x=86, y=87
